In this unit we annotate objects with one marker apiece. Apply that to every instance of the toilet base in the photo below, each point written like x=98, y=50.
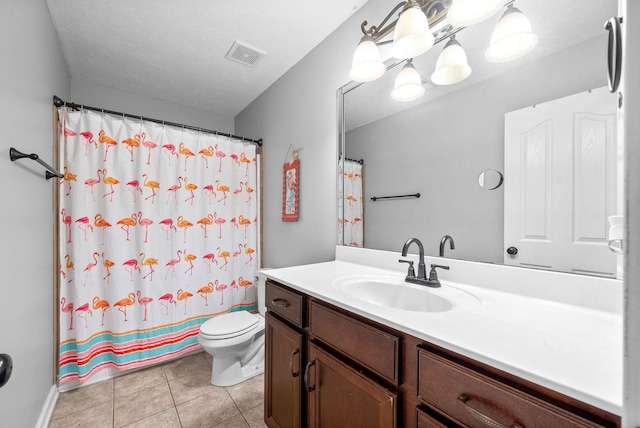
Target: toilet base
x=231, y=371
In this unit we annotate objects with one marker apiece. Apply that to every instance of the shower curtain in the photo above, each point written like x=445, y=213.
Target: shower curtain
x=158, y=233
x=350, y=201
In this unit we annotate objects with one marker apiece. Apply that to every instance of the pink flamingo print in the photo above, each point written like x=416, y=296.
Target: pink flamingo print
x=223, y=255
x=219, y=221
x=148, y=262
x=246, y=284
x=189, y=258
x=236, y=254
x=106, y=140
x=69, y=177
x=221, y=288
x=236, y=161
x=84, y=309
x=131, y=265
x=100, y=304
x=123, y=303
x=183, y=295
x=185, y=224
x=205, y=291
x=146, y=222
x=224, y=189
x=238, y=190
x=67, y=308
x=66, y=220
x=69, y=132
x=167, y=225
x=88, y=136
x=174, y=190
x=153, y=185
x=234, y=285
x=190, y=187
x=89, y=267
x=204, y=222
x=246, y=161
x=206, y=153
x=89, y=183
x=248, y=251
x=172, y=265
x=186, y=153
x=132, y=143
x=209, y=259
x=111, y=181
x=234, y=222
x=98, y=221
x=170, y=151
x=84, y=224
x=248, y=189
x=108, y=264
x=166, y=299
x=219, y=155
x=134, y=187
x=126, y=223
x=149, y=145
x=244, y=222
x=210, y=192
x=144, y=301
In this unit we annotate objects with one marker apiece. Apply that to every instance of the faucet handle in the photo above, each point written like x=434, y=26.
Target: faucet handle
x=412, y=272
x=433, y=275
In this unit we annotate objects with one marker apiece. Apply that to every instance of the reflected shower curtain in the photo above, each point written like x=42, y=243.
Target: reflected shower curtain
x=158, y=233
x=351, y=214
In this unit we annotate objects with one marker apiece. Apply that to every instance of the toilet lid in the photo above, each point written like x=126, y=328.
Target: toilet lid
x=229, y=325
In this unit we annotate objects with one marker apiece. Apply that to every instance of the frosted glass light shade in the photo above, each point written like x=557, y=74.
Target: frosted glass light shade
x=452, y=66
x=412, y=36
x=512, y=37
x=408, y=85
x=464, y=13
x=367, y=64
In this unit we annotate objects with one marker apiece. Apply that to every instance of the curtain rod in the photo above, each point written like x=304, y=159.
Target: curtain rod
x=58, y=102
x=360, y=161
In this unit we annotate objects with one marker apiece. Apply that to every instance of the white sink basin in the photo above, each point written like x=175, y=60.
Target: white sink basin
x=393, y=292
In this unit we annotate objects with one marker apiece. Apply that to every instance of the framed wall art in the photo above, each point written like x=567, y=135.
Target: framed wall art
x=290, y=190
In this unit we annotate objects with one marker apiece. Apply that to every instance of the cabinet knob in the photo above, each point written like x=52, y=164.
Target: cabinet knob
x=281, y=303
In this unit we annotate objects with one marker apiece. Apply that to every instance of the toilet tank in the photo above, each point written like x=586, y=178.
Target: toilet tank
x=262, y=280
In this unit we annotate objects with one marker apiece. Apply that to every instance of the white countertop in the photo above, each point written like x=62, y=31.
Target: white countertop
x=575, y=350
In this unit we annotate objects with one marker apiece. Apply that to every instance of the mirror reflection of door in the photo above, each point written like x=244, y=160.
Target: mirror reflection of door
x=560, y=184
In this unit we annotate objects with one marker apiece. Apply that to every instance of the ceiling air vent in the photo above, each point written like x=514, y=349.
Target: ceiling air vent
x=244, y=54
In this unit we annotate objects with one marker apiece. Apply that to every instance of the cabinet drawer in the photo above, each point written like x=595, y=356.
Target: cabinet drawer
x=284, y=302
x=374, y=349
x=470, y=397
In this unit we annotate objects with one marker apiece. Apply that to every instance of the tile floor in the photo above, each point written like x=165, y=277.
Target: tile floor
x=177, y=394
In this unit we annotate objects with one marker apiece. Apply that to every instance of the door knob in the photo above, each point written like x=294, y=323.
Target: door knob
x=512, y=251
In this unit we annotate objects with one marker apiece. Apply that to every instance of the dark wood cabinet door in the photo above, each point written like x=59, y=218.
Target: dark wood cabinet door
x=339, y=396
x=283, y=365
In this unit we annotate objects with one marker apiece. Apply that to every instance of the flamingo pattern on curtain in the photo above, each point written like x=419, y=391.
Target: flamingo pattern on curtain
x=350, y=201
x=158, y=233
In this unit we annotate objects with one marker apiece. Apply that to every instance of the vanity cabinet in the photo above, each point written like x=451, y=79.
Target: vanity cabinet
x=329, y=368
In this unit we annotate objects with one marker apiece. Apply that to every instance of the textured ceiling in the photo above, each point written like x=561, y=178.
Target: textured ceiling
x=175, y=49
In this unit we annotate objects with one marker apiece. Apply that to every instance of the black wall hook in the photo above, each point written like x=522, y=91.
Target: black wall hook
x=50, y=173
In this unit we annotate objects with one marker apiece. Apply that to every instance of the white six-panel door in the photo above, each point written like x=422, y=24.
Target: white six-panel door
x=560, y=184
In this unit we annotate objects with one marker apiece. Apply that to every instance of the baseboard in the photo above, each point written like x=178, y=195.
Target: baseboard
x=47, y=409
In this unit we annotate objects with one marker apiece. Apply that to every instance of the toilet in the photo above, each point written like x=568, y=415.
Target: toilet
x=236, y=342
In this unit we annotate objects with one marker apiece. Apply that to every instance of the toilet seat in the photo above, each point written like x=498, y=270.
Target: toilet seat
x=229, y=325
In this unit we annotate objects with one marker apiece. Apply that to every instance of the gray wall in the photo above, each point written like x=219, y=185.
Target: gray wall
x=33, y=69
x=300, y=110
x=440, y=147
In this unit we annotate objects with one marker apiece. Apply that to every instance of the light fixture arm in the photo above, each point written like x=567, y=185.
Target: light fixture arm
x=435, y=10
x=50, y=173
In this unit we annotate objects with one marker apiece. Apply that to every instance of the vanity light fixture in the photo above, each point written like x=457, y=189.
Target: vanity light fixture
x=464, y=13
x=452, y=66
x=408, y=85
x=412, y=35
x=512, y=37
x=367, y=64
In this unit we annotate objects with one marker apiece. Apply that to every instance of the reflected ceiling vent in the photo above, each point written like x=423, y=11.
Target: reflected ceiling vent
x=244, y=54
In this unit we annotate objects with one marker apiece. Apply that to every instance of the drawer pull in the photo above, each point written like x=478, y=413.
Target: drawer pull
x=306, y=376
x=281, y=303
x=482, y=417
x=293, y=354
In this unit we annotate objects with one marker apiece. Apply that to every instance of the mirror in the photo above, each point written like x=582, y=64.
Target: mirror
x=439, y=145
